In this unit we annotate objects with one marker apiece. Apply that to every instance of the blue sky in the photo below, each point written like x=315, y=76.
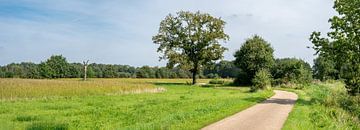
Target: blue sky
x=120, y=32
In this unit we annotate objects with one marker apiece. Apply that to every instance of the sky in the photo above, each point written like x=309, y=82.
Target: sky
x=120, y=31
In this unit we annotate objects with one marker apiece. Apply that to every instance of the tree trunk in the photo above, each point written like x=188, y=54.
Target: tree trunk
x=85, y=69
x=194, y=72
x=194, y=77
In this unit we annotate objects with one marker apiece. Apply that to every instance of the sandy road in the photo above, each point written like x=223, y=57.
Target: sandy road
x=268, y=115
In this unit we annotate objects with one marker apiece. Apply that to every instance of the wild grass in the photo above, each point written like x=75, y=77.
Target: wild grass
x=12, y=89
x=181, y=106
x=324, y=106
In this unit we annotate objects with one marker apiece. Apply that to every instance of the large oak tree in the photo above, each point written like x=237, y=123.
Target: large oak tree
x=191, y=40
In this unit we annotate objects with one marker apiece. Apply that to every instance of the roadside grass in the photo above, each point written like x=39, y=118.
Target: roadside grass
x=181, y=106
x=323, y=106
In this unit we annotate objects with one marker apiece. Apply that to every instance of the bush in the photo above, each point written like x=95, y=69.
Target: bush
x=216, y=81
x=262, y=80
x=212, y=76
x=291, y=70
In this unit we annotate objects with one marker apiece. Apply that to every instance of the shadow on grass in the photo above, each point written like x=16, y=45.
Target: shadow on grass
x=303, y=102
x=254, y=99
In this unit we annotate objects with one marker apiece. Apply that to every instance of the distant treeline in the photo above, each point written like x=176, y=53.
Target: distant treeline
x=58, y=67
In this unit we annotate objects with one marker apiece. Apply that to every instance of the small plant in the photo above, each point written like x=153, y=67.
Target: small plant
x=262, y=80
x=47, y=126
x=26, y=118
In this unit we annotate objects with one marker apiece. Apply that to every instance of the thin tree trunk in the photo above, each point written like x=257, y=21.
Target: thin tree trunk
x=194, y=72
x=85, y=69
x=194, y=77
x=85, y=74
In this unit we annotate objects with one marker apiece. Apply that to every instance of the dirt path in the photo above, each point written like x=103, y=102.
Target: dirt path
x=268, y=115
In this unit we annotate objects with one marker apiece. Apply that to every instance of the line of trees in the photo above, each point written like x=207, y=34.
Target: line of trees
x=58, y=67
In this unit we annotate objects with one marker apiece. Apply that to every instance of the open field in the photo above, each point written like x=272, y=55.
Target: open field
x=177, y=106
x=33, y=88
x=324, y=106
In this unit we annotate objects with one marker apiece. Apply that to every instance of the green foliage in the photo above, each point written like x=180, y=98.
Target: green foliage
x=262, y=80
x=191, y=40
x=324, y=106
x=212, y=76
x=224, y=69
x=255, y=54
x=145, y=72
x=291, y=70
x=324, y=69
x=216, y=81
x=342, y=44
x=55, y=67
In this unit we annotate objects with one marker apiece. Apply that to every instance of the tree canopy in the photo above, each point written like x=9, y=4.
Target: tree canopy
x=191, y=40
x=343, y=43
x=255, y=54
x=324, y=69
x=291, y=70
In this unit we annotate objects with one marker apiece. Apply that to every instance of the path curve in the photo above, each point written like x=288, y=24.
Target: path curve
x=268, y=115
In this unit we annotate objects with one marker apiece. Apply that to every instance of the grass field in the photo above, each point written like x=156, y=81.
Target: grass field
x=117, y=104
x=324, y=106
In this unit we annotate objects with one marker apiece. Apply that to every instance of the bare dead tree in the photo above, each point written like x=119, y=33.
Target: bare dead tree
x=85, y=63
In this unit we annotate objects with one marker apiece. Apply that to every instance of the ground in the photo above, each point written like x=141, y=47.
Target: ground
x=176, y=106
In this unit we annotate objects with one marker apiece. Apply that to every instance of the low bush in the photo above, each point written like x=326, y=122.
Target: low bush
x=216, y=81
x=262, y=80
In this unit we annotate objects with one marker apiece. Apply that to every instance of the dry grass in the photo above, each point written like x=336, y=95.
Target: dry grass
x=11, y=89
x=33, y=88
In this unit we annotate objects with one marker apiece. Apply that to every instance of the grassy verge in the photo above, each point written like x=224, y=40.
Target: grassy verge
x=179, y=107
x=323, y=106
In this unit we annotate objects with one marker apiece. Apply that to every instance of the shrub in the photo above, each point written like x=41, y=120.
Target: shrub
x=212, y=76
x=216, y=81
x=262, y=80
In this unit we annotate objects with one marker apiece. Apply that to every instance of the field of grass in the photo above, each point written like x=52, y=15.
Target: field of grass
x=112, y=104
x=324, y=106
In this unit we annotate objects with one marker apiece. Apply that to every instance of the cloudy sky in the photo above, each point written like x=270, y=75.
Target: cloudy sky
x=120, y=31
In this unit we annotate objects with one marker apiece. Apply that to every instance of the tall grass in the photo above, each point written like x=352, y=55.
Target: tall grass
x=324, y=106
x=34, y=88
x=12, y=89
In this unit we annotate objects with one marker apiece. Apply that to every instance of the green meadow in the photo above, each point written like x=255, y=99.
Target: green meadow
x=172, y=105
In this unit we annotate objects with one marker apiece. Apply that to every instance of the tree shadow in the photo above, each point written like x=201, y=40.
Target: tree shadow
x=279, y=101
x=261, y=100
x=254, y=99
